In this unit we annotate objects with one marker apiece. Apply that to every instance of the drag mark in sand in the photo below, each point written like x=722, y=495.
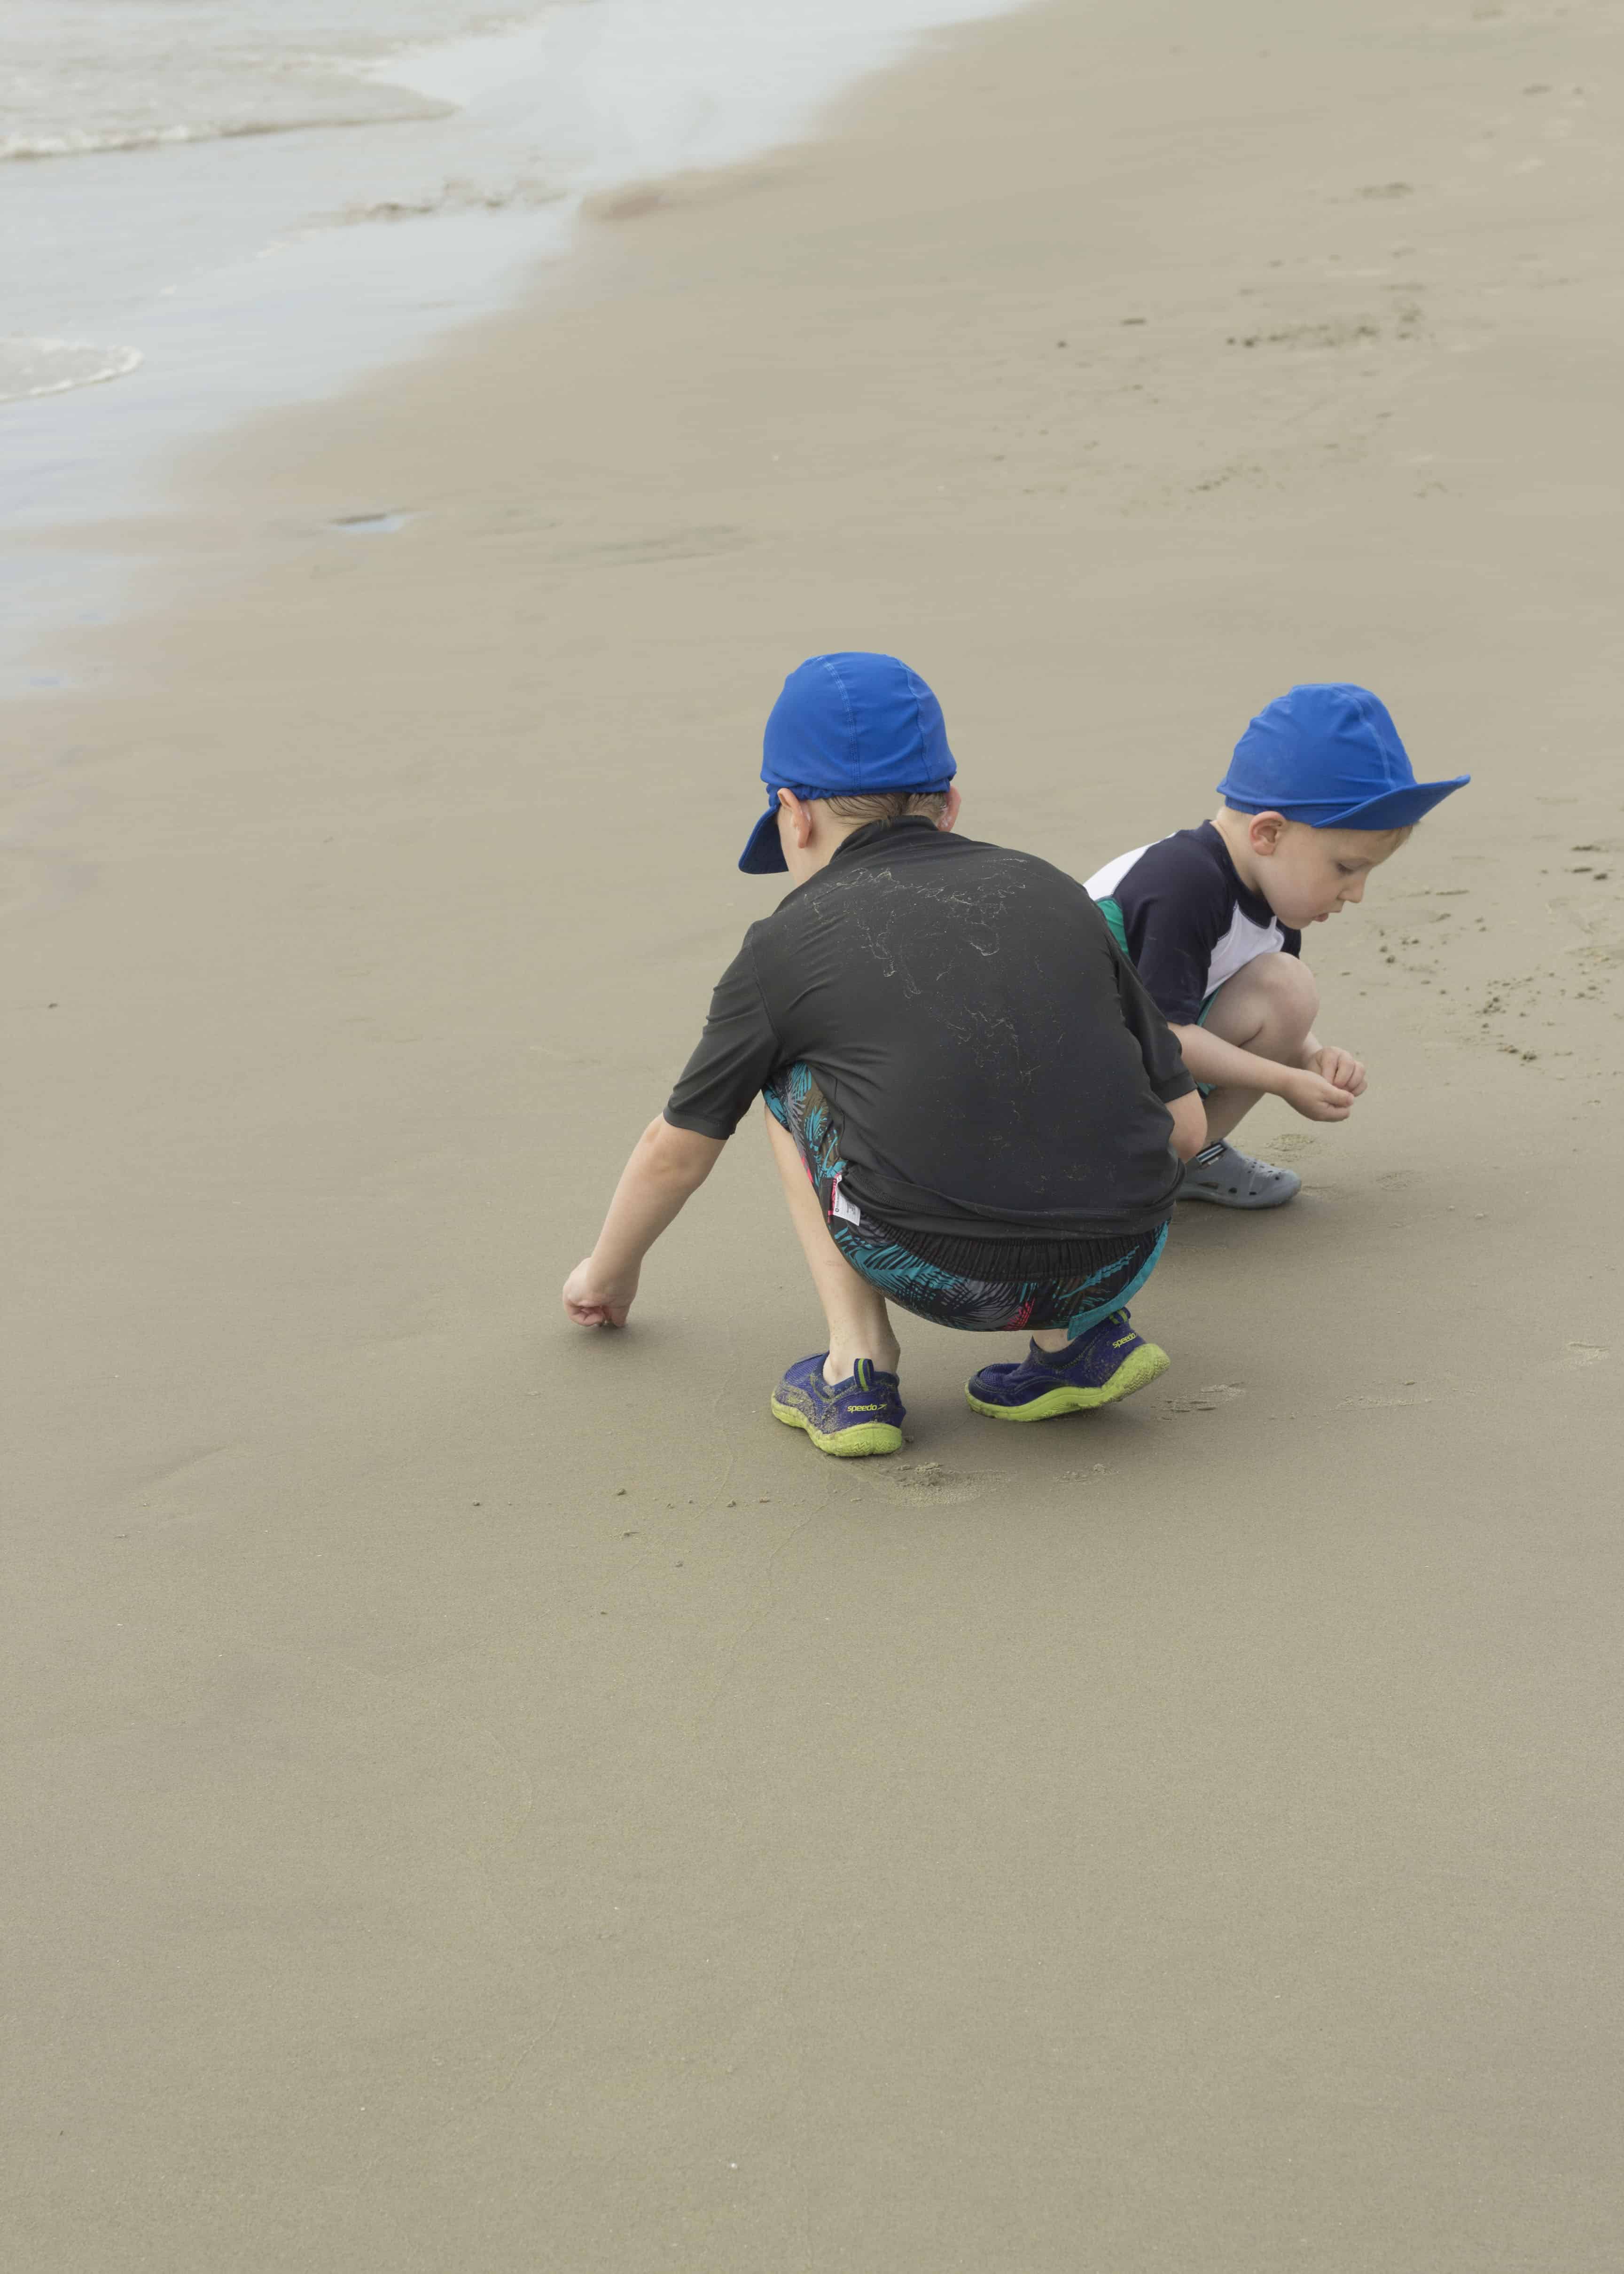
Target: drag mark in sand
x=372, y=524
x=1207, y=1400
x=670, y=544
x=1586, y=1354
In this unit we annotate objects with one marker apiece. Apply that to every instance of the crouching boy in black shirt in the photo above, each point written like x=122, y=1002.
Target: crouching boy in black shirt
x=977, y=1111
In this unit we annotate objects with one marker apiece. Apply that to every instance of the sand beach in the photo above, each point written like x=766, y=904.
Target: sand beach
x=484, y=1797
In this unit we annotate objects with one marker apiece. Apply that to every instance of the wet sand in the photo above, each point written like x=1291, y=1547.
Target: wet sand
x=488, y=1797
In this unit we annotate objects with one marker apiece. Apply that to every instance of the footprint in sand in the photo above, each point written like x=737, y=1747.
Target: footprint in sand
x=927, y=1484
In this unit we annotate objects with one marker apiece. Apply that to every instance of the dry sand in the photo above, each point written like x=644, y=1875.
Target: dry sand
x=490, y=1800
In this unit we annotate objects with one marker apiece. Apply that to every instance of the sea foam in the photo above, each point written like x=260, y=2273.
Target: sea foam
x=30, y=367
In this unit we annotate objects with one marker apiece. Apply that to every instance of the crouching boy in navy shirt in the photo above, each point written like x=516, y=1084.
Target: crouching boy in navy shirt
x=1319, y=794
x=976, y=1111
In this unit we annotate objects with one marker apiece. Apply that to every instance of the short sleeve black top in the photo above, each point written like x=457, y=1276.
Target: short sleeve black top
x=994, y=1066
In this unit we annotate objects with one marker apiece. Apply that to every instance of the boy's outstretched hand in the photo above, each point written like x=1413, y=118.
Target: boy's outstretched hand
x=593, y=1299
x=667, y=1164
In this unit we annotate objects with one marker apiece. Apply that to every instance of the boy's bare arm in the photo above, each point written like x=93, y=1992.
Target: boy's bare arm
x=1189, y=1124
x=1226, y=1065
x=667, y=1166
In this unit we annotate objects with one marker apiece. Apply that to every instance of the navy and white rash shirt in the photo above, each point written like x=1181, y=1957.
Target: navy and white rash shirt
x=1184, y=919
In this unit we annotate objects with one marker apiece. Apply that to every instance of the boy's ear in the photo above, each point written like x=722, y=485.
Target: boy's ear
x=1266, y=832
x=949, y=812
x=799, y=815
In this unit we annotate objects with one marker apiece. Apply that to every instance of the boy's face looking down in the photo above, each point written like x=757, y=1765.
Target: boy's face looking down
x=1306, y=874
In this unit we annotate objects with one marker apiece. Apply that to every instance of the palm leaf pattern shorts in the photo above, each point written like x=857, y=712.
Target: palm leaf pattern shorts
x=1116, y=1269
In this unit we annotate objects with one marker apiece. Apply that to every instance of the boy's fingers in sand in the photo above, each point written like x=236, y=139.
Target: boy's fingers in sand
x=590, y=1304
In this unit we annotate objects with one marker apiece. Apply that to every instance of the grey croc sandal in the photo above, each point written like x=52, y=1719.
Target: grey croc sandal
x=1230, y=1179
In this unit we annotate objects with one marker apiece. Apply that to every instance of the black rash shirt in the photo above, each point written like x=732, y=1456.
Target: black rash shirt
x=998, y=1076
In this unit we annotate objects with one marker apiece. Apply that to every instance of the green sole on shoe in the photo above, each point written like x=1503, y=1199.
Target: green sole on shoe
x=1133, y=1374
x=846, y=1444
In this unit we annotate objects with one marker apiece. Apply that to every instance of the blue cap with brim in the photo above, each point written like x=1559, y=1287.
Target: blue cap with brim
x=1328, y=754
x=847, y=726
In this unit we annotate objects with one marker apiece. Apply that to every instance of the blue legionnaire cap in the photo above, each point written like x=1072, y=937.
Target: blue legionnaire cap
x=1328, y=754
x=847, y=726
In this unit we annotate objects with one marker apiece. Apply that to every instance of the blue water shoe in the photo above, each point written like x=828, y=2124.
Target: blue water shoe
x=1108, y=1362
x=862, y=1414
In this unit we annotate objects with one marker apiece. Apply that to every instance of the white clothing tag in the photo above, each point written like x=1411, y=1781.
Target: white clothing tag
x=838, y=1205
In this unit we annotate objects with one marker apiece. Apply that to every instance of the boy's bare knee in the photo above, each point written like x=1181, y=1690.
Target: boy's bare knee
x=1291, y=995
x=1268, y=1007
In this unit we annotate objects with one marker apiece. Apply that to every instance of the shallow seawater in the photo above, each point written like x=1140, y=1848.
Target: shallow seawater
x=210, y=207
